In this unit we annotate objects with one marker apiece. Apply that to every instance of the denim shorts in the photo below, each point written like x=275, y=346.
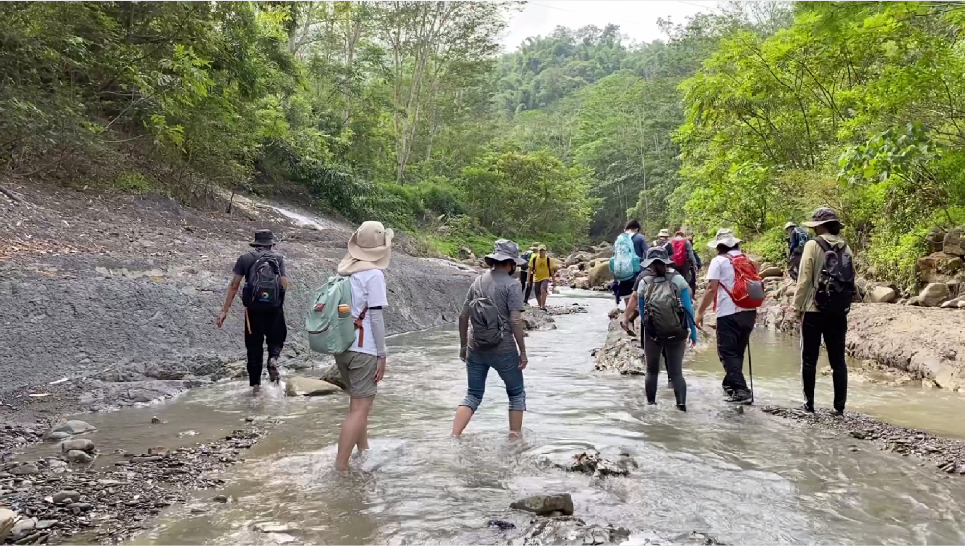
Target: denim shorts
x=507, y=366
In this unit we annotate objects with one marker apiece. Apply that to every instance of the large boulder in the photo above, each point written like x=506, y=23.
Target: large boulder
x=333, y=376
x=467, y=254
x=933, y=295
x=882, y=294
x=935, y=239
x=771, y=271
x=952, y=243
x=581, y=283
x=577, y=258
x=600, y=274
x=545, y=505
x=939, y=267
x=79, y=444
x=306, y=386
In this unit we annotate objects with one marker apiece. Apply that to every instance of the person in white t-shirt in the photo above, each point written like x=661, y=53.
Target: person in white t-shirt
x=362, y=366
x=734, y=324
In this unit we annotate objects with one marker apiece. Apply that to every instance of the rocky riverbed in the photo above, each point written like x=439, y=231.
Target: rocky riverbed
x=76, y=498
x=945, y=454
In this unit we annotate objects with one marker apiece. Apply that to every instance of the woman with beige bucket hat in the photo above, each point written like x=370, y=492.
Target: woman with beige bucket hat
x=362, y=366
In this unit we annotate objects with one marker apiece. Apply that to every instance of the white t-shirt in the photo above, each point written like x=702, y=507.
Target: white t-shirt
x=368, y=290
x=722, y=270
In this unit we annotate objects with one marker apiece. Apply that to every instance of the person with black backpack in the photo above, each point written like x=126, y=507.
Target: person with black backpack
x=662, y=296
x=825, y=289
x=493, y=308
x=264, y=298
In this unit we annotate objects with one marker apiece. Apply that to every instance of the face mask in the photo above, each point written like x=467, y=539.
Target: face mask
x=512, y=269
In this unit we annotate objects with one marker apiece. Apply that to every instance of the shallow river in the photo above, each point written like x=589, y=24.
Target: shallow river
x=748, y=478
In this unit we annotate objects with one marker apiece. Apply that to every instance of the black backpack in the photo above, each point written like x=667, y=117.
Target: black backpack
x=525, y=256
x=835, y=288
x=263, y=289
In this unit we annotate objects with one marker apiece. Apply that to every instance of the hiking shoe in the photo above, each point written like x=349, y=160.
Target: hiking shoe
x=807, y=408
x=682, y=407
x=740, y=397
x=273, y=375
x=837, y=412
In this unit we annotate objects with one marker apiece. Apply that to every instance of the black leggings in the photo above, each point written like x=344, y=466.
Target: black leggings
x=261, y=328
x=673, y=353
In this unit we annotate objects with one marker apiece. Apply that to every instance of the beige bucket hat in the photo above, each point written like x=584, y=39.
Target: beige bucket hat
x=664, y=233
x=369, y=248
x=724, y=237
x=789, y=225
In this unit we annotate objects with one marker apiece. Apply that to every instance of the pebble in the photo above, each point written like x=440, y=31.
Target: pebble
x=146, y=459
x=57, y=436
x=77, y=456
x=78, y=507
x=220, y=498
x=24, y=470
x=56, y=463
x=155, y=420
x=65, y=496
x=77, y=444
x=46, y=524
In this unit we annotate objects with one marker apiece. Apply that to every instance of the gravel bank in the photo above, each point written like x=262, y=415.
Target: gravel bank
x=945, y=454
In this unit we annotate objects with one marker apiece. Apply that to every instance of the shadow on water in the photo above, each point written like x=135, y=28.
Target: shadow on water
x=744, y=478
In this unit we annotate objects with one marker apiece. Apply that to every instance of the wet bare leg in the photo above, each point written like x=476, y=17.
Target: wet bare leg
x=353, y=431
x=255, y=390
x=362, y=444
x=463, y=416
x=515, y=424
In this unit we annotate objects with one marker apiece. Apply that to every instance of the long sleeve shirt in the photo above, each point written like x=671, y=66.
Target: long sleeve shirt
x=812, y=262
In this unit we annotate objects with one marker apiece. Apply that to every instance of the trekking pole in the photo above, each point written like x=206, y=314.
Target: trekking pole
x=750, y=369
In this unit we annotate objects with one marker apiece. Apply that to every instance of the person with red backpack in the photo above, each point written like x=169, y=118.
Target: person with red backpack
x=683, y=257
x=736, y=291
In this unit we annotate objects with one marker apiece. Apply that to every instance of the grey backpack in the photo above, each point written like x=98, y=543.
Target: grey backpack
x=665, y=315
x=487, y=331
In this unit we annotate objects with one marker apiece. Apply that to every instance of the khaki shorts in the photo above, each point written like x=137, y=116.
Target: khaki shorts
x=358, y=373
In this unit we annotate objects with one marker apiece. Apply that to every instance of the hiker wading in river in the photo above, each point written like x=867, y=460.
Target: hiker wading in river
x=734, y=323
x=825, y=289
x=362, y=366
x=494, y=305
x=264, y=298
x=667, y=321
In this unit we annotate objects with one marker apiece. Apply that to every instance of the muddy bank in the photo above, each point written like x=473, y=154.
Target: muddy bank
x=108, y=495
x=945, y=454
x=923, y=342
x=114, y=295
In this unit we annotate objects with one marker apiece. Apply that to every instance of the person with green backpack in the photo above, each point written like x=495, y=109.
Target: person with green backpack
x=345, y=320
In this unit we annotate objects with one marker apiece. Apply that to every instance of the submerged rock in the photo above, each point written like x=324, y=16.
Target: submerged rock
x=333, y=376
x=620, y=353
x=570, y=530
x=78, y=456
x=592, y=463
x=545, y=505
x=73, y=427
x=306, y=386
x=77, y=444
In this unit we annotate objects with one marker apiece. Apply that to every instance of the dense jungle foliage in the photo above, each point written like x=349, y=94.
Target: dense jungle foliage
x=409, y=112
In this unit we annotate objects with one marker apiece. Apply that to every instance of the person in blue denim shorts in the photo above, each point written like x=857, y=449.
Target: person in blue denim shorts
x=508, y=354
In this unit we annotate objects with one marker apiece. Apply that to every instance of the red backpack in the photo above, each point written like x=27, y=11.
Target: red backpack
x=748, y=290
x=680, y=253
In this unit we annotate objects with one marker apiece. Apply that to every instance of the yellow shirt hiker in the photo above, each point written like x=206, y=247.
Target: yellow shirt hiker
x=541, y=267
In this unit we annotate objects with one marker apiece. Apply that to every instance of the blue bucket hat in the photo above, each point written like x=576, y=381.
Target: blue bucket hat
x=656, y=254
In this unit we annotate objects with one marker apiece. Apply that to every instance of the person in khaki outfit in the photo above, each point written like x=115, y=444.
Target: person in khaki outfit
x=822, y=302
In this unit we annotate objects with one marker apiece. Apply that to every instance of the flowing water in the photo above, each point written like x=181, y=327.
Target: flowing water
x=746, y=479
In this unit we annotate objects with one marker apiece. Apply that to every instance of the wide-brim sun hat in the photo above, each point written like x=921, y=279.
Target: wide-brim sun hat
x=656, y=254
x=369, y=248
x=664, y=233
x=724, y=237
x=790, y=225
x=823, y=215
x=504, y=250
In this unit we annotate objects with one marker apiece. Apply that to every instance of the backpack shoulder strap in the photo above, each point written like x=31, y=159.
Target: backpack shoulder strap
x=823, y=243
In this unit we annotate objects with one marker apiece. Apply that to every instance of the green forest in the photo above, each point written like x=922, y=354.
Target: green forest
x=746, y=116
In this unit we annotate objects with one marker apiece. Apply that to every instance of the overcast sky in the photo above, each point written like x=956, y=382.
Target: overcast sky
x=637, y=19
